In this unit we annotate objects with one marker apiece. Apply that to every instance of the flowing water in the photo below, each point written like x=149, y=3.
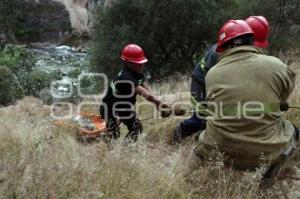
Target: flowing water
x=63, y=61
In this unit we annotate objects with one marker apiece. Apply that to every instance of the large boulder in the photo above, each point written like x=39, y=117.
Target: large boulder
x=78, y=14
x=44, y=20
x=81, y=13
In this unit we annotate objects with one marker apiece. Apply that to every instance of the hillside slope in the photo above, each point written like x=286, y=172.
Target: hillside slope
x=40, y=159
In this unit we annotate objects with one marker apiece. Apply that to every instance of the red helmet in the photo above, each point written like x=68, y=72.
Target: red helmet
x=260, y=27
x=230, y=30
x=133, y=53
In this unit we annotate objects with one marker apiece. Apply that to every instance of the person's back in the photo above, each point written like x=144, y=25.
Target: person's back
x=244, y=76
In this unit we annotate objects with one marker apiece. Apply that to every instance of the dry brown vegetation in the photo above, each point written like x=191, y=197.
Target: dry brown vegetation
x=42, y=160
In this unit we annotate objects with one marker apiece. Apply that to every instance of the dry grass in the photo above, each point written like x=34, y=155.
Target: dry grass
x=42, y=160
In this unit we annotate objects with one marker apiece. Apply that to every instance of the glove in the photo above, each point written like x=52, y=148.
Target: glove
x=166, y=110
x=166, y=113
x=179, y=111
x=284, y=106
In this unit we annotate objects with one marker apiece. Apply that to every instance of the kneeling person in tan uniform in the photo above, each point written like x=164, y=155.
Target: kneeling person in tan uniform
x=244, y=92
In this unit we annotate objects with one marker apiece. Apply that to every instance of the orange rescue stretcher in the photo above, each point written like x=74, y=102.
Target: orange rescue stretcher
x=99, y=126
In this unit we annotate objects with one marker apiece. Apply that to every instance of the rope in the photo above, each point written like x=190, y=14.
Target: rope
x=191, y=111
x=152, y=117
x=148, y=118
x=294, y=107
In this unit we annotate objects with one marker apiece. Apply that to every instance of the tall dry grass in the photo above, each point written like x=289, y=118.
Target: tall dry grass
x=42, y=160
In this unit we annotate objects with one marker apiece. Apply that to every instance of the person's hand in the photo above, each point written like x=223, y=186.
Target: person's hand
x=284, y=106
x=179, y=111
x=165, y=109
x=164, y=105
x=165, y=113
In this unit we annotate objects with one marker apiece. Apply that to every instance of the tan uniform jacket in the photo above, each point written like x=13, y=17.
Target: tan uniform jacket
x=244, y=75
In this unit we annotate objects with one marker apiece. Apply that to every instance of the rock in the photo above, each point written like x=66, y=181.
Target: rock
x=3, y=39
x=40, y=45
x=63, y=89
x=80, y=49
x=45, y=20
x=63, y=48
x=80, y=12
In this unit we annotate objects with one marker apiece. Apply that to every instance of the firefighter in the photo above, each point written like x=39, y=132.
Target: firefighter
x=260, y=27
x=248, y=88
x=118, y=103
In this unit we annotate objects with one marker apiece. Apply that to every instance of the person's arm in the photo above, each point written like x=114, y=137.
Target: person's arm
x=139, y=90
x=287, y=84
x=165, y=109
x=146, y=86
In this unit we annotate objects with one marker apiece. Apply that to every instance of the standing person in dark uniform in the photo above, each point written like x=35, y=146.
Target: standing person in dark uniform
x=260, y=28
x=194, y=124
x=117, y=105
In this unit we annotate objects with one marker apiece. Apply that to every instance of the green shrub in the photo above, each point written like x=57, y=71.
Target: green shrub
x=10, y=12
x=283, y=17
x=17, y=59
x=172, y=32
x=74, y=73
x=33, y=82
x=32, y=20
x=19, y=76
x=91, y=85
x=10, y=88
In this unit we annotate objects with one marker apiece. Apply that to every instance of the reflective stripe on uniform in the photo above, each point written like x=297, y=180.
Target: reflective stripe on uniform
x=198, y=107
x=113, y=87
x=202, y=64
x=141, y=82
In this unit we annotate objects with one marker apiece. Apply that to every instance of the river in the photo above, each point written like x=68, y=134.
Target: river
x=65, y=61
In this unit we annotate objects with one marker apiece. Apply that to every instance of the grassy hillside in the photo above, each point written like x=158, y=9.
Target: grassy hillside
x=40, y=159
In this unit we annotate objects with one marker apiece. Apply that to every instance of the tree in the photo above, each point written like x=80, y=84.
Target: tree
x=35, y=81
x=173, y=33
x=10, y=12
x=18, y=77
x=10, y=88
x=283, y=17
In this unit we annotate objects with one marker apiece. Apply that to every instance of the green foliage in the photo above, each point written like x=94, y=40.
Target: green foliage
x=10, y=88
x=91, y=85
x=18, y=76
x=33, y=82
x=56, y=75
x=172, y=32
x=17, y=59
x=282, y=16
x=74, y=73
